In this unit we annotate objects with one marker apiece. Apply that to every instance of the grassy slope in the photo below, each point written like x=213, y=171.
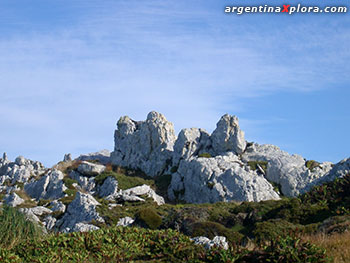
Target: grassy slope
x=256, y=224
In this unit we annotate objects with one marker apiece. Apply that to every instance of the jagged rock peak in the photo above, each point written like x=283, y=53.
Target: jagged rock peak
x=228, y=136
x=4, y=156
x=145, y=145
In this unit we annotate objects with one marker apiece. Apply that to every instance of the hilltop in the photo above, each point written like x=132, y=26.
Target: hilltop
x=217, y=188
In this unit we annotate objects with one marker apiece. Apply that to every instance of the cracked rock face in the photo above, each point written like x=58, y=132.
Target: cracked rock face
x=222, y=178
x=287, y=170
x=109, y=188
x=145, y=145
x=49, y=187
x=228, y=136
x=190, y=142
x=81, y=210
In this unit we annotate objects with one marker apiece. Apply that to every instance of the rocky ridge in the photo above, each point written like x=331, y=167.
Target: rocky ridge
x=203, y=168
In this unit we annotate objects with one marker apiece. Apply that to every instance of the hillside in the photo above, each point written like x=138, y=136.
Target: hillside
x=238, y=201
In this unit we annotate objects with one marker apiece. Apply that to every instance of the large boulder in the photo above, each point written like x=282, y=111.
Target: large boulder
x=50, y=186
x=13, y=200
x=143, y=190
x=81, y=210
x=289, y=171
x=221, y=178
x=228, y=136
x=102, y=157
x=145, y=145
x=90, y=169
x=109, y=188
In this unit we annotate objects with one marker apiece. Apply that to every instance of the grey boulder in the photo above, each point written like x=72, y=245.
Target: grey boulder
x=109, y=188
x=220, y=178
x=81, y=210
x=13, y=200
x=90, y=169
x=50, y=186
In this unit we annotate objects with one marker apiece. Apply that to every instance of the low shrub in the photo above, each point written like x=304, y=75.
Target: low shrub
x=149, y=217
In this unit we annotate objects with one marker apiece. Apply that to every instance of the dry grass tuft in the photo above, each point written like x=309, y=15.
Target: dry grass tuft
x=337, y=245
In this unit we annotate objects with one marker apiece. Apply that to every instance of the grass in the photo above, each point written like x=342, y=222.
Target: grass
x=205, y=155
x=15, y=229
x=337, y=245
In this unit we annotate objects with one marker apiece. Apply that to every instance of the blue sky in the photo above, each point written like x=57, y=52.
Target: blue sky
x=70, y=69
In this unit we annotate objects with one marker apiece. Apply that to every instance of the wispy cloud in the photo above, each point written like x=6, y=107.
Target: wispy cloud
x=129, y=58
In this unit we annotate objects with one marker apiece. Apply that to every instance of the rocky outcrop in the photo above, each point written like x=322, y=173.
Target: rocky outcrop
x=33, y=213
x=102, y=157
x=67, y=157
x=21, y=170
x=90, y=169
x=81, y=210
x=289, y=171
x=145, y=145
x=50, y=186
x=228, y=136
x=221, y=178
x=85, y=183
x=191, y=142
x=13, y=200
x=57, y=206
x=109, y=188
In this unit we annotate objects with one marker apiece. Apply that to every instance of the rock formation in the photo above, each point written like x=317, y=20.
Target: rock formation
x=145, y=145
x=203, y=167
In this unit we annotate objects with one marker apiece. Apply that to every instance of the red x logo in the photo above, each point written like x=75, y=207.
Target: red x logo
x=285, y=8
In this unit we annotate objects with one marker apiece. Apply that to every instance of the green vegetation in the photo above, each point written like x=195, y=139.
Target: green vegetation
x=129, y=244
x=205, y=155
x=276, y=228
x=124, y=181
x=15, y=229
x=150, y=218
x=311, y=164
x=253, y=165
x=69, y=182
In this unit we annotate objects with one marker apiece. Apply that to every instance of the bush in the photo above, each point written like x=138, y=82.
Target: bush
x=272, y=229
x=16, y=229
x=149, y=217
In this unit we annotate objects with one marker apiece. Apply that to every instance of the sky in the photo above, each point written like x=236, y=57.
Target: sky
x=69, y=70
